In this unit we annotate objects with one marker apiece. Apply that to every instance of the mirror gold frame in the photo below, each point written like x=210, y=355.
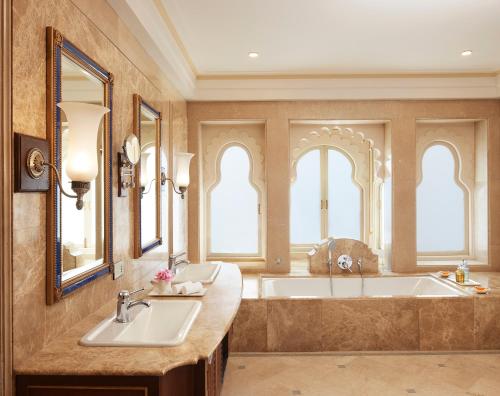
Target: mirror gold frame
x=139, y=247
x=57, y=47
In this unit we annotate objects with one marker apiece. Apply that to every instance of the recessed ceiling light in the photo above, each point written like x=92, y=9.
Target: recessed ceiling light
x=253, y=55
x=467, y=53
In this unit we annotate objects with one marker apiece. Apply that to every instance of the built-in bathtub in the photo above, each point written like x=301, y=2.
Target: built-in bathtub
x=351, y=287
x=375, y=313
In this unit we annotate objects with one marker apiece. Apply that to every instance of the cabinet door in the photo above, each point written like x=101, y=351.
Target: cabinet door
x=214, y=373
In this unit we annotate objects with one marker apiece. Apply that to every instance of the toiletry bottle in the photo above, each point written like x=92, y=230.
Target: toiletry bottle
x=459, y=274
x=465, y=268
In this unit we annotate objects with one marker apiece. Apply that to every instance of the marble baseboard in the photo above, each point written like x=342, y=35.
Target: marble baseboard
x=368, y=324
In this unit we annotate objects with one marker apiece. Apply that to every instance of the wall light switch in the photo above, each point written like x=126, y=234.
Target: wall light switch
x=118, y=269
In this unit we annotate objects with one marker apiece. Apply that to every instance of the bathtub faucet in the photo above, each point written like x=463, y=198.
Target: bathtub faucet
x=331, y=248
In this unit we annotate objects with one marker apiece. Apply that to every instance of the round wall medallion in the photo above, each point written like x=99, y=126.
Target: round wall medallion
x=34, y=163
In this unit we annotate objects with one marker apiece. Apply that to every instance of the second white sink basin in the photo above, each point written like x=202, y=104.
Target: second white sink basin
x=164, y=323
x=204, y=273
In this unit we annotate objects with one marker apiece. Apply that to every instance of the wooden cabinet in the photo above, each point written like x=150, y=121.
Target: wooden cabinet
x=215, y=367
x=202, y=379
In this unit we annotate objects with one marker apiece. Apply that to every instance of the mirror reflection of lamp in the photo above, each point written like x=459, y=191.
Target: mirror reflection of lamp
x=82, y=162
x=145, y=179
x=181, y=180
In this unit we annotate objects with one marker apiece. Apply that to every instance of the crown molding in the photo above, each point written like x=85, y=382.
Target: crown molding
x=326, y=76
x=151, y=28
x=350, y=88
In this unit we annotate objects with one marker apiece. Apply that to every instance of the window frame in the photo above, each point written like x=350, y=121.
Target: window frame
x=468, y=252
x=210, y=255
x=324, y=207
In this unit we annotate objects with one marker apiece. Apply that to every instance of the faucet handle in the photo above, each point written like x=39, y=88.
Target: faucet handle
x=137, y=291
x=124, y=294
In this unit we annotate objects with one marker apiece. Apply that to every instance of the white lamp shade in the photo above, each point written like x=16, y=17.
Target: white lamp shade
x=83, y=121
x=144, y=169
x=181, y=168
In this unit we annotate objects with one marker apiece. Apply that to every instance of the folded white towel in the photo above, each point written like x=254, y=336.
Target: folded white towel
x=187, y=287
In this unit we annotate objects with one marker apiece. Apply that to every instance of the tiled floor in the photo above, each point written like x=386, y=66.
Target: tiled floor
x=358, y=375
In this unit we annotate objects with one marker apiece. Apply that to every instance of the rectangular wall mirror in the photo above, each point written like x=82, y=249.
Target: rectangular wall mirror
x=147, y=208
x=79, y=247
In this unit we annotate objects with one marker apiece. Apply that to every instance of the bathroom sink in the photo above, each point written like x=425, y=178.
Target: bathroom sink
x=164, y=323
x=204, y=273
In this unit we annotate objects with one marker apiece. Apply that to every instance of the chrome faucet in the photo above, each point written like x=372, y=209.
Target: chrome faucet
x=173, y=262
x=123, y=305
x=360, y=265
x=331, y=248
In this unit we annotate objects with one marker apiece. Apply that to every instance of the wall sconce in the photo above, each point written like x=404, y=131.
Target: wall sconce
x=82, y=166
x=127, y=159
x=180, y=182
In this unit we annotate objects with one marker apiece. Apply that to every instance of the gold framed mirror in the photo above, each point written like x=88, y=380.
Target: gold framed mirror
x=79, y=239
x=149, y=178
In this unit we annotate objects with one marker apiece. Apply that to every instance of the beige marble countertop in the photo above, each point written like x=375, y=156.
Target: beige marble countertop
x=66, y=357
x=251, y=282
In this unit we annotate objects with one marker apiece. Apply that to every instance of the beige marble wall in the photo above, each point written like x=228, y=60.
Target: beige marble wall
x=402, y=117
x=367, y=324
x=35, y=323
x=355, y=249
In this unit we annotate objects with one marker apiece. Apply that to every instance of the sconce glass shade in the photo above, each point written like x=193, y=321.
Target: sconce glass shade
x=144, y=169
x=83, y=120
x=182, y=161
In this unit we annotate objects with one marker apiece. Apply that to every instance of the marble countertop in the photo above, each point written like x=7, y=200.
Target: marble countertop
x=66, y=357
x=490, y=280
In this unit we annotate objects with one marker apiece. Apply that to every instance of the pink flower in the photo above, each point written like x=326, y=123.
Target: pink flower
x=164, y=275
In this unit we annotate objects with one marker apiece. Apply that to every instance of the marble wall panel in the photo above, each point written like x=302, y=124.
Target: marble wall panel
x=487, y=322
x=353, y=248
x=249, y=332
x=293, y=325
x=401, y=115
x=35, y=323
x=370, y=325
x=446, y=324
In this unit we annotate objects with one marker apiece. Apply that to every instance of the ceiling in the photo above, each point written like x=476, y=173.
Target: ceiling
x=321, y=49
x=338, y=36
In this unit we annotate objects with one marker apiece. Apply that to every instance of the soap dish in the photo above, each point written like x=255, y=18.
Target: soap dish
x=481, y=290
x=155, y=293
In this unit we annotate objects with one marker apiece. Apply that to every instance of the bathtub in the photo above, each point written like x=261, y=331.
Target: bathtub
x=346, y=287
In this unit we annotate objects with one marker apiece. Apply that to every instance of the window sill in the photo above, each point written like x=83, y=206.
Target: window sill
x=436, y=264
x=247, y=265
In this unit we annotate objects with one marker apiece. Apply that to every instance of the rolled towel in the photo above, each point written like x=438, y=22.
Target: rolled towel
x=191, y=287
x=177, y=289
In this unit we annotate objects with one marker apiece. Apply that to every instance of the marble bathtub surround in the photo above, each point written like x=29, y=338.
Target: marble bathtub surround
x=369, y=324
x=66, y=357
x=318, y=256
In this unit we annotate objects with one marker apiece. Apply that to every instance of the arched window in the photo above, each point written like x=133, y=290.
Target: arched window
x=234, y=207
x=325, y=198
x=344, y=197
x=441, y=204
x=305, y=211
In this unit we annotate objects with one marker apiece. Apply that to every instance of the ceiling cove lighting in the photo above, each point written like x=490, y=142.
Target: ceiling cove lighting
x=467, y=53
x=253, y=55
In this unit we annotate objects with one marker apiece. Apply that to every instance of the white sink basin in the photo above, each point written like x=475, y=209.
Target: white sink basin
x=164, y=323
x=204, y=273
